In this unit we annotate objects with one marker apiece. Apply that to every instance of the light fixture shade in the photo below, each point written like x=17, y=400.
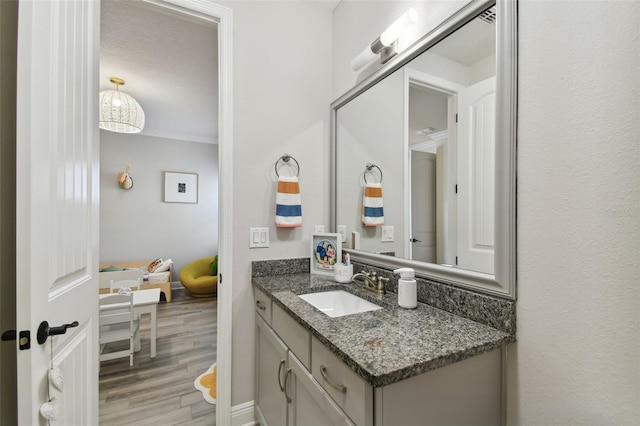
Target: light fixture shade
x=393, y=32
x=120, y=113
x=384, y=45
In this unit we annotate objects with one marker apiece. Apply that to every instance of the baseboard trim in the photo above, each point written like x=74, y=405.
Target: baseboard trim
x=243, y=415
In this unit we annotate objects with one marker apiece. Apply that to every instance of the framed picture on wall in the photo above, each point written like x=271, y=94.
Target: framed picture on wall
x=326, y=251
x=180, y=187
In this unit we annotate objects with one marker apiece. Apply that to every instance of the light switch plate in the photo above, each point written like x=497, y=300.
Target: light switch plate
x=318, y=228
x=387, y=234
x=342, y=230
x=258, y=237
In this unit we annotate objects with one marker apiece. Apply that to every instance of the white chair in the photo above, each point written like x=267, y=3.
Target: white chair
x=114, y=286
x=105, y=278
x=117, y=323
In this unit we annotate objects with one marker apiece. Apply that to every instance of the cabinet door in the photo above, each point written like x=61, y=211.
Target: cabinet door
x=271, y=360
x=309, y=404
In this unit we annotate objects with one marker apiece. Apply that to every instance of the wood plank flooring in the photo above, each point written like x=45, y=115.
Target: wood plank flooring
x=160, y=391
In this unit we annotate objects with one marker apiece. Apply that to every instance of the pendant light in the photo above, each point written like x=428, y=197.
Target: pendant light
x=120, y=112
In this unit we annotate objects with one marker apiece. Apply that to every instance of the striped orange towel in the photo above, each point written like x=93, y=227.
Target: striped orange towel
x=372, y=210
x=288, y=203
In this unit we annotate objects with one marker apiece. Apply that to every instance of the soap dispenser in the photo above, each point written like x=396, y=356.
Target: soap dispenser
x=407, y=293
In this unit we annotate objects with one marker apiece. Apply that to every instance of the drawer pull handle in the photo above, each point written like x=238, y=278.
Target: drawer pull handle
x=339, y=388
x=286, y=388
x=260, y=305
x=280, y=374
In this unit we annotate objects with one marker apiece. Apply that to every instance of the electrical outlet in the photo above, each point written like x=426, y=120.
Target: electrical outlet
x=258, y=237
x=318, y=228
x=387, y=234
x=342, y=230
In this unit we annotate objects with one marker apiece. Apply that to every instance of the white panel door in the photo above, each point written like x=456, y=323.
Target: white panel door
x=423, y=207
x=476, y=176
x=57, y=206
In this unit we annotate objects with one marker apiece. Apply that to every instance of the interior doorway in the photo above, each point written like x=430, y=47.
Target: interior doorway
x=199, y=128
x=431, y=150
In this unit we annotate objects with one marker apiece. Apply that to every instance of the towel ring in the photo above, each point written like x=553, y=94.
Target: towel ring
x=286, y=158
x=368, y=168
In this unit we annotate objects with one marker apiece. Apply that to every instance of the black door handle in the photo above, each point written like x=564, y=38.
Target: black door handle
x=44, y=331
x=413, y=240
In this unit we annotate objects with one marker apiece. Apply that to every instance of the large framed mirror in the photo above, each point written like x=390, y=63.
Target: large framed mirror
x=436, y=129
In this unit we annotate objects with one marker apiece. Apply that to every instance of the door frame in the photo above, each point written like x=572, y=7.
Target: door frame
x=446, y=87
x=223, y=17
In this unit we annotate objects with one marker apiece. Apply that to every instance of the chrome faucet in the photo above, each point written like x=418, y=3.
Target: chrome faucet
x=372, y=282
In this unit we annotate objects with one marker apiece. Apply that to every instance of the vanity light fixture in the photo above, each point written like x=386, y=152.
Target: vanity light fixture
x=120, y=112
x=386, y=44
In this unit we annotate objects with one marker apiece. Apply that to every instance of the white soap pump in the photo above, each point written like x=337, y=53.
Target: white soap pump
x=407, y=296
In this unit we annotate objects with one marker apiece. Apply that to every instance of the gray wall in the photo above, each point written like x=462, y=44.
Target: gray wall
x=8, y=37
x=137, y=224
x=370, y=130
x=281, y=96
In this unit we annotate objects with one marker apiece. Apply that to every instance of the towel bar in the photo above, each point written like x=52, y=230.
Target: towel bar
x=368, y=168
x=286, y=158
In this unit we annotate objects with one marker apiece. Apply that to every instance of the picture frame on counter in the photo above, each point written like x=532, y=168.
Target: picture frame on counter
x=326, y=251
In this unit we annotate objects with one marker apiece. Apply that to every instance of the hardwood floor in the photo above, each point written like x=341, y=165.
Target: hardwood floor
x=160, y=391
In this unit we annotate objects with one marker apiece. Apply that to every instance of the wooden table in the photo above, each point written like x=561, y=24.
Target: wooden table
x=146, y=302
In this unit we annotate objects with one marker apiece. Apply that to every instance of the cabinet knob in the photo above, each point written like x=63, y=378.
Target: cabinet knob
x=260, y=305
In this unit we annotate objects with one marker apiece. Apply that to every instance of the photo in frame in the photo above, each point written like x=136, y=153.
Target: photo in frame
x=326, y=251
x=180, y=187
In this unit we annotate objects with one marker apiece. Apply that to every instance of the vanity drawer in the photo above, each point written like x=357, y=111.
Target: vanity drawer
x=293, y=334
x=262, y=305
x=348, y=390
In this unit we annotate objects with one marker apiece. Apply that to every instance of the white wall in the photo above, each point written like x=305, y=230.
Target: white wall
x=577, y=357
x=578, y=309
x=281, y=95
x=136, y=224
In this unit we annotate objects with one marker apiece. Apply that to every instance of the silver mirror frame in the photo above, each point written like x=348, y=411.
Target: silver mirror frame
x=503, y=282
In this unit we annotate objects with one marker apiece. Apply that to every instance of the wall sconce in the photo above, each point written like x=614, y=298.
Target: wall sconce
x=120, y=112
x=385, y=45
x=125, y=181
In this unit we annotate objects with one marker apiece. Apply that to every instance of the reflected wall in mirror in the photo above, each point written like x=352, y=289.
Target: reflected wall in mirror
x=432, y=126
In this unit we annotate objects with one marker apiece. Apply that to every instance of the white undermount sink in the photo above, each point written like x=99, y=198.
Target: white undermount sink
x=338, y=303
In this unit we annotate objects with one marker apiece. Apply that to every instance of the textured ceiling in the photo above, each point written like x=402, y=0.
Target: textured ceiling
x=169, y=63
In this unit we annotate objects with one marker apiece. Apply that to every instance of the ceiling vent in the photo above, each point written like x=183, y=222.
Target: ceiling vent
x=489, y=16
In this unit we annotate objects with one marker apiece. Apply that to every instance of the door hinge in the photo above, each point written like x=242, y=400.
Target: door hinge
x=456, y=117
x=456, y=188
x=456, y=260
x=220, y=278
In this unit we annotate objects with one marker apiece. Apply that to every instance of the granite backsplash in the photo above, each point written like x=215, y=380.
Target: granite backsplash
x=489, y=310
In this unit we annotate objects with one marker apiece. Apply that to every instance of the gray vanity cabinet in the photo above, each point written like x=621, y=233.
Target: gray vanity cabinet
x=300, y=382
x=286, y=392
x=310, y=405
x=271, y=367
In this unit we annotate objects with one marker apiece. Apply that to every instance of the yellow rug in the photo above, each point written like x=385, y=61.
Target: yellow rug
x=206, y=383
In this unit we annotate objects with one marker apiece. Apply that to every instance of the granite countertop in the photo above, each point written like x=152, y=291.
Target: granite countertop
x=386, y=345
